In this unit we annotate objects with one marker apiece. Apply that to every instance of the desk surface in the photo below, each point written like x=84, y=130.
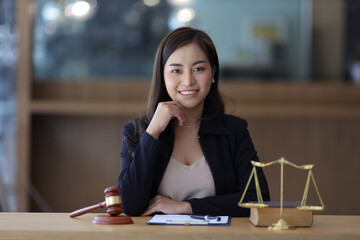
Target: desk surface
x=60, y=226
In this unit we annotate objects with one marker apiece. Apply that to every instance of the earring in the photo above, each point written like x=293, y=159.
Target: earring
x=213, y=80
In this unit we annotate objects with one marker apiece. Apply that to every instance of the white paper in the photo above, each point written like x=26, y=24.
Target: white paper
x=185, y=220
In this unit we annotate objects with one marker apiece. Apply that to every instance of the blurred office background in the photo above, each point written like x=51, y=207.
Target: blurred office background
x=72, y=72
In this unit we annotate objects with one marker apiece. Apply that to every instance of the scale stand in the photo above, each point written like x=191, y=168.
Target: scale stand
x=282, y=224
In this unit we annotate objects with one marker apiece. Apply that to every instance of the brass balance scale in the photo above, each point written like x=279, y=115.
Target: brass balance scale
x=282, y=224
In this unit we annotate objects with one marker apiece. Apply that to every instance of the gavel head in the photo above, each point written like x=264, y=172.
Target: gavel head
x=113, y=201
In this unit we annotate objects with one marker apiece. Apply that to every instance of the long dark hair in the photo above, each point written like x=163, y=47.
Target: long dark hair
x=180, y=37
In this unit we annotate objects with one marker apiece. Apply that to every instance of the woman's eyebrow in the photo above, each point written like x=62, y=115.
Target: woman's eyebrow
x=198, y=62
x=175, y=65
x=180, y=65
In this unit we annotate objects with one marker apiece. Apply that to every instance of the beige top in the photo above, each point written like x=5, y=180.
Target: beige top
x=181, y=182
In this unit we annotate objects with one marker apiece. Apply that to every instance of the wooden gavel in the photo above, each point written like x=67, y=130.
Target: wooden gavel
x=112, y=203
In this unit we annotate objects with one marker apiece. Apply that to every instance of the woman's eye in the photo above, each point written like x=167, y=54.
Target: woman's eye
x=198, y=69
x=175, y=71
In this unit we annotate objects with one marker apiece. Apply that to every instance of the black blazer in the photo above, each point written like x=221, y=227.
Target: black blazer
x=228, y=149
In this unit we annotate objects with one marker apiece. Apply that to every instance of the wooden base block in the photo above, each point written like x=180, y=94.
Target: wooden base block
x=106, y=219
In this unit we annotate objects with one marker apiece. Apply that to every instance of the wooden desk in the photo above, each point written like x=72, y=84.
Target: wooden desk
x=60, y=226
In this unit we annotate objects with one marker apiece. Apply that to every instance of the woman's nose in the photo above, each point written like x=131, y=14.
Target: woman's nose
x=188, y=79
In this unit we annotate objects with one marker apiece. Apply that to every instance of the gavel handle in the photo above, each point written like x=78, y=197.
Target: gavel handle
x=87, y=209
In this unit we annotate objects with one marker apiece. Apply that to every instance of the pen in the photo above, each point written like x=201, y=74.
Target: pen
x=206, y=217
x=187, y=223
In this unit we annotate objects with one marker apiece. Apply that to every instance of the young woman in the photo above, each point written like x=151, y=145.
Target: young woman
x=185, y=155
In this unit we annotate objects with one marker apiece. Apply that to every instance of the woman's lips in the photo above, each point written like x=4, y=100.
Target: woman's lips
x=188, y=92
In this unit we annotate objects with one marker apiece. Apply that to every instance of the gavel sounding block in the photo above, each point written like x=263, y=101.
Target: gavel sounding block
x=106, y=219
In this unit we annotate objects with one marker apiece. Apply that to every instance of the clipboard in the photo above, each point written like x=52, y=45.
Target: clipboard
x=187, y=220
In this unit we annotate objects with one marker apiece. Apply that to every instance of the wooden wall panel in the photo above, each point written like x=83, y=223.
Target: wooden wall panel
x=74, y=159
x=332, y=144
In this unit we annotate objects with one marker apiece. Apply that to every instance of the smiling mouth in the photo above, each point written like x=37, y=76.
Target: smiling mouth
x=188, y=92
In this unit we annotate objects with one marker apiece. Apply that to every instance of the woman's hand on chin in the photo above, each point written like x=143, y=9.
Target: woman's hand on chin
x=165, y=111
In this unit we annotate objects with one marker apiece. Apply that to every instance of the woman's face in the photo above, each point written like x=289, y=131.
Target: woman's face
x=188, y=75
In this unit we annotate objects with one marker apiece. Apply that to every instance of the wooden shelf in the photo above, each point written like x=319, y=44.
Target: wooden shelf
x=296, y=110
x=132, y=108
x=56, y=107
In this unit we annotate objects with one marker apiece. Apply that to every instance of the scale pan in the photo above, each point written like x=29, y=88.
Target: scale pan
x=311, y=208
x=253, y=205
